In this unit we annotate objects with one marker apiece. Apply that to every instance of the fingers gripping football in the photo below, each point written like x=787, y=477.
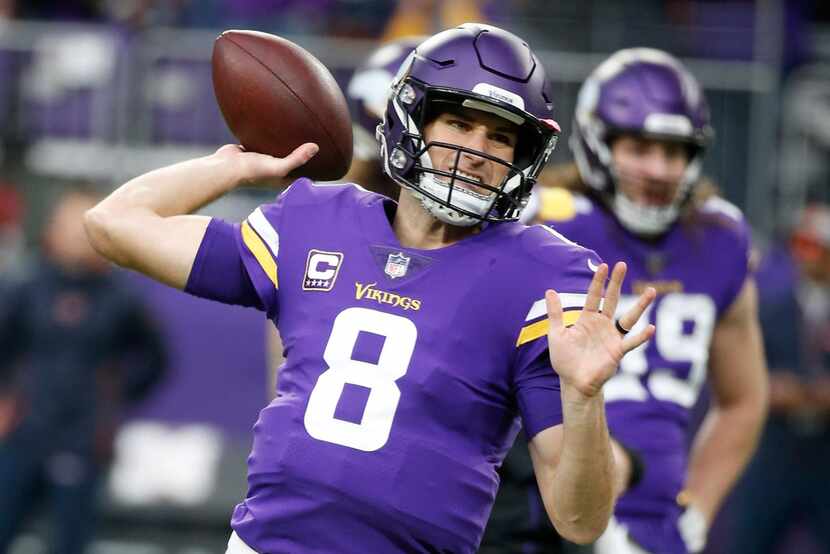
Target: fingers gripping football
x=587, y=354
x=263, y=169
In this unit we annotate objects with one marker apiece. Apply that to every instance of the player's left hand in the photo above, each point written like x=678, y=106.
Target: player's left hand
x=587, y=354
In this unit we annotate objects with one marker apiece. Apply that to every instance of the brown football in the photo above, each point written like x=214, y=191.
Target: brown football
x=275, y=96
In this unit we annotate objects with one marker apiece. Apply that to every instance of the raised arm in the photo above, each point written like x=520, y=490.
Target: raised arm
x=144, y=224
x=574, y=463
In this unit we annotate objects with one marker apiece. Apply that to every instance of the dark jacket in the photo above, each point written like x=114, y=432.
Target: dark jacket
x=74, y=349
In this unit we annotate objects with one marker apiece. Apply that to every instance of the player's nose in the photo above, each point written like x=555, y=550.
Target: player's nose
x=656, y=166
x=476, y=140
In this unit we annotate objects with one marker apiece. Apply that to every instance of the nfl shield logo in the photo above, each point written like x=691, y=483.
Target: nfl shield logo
x=396, y=265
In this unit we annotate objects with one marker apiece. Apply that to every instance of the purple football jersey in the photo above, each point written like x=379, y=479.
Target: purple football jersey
x=698, y=269
x=407, y=372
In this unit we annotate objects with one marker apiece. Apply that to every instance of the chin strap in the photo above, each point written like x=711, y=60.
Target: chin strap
x=643, y=220
x=464, y=199
x=443, y=213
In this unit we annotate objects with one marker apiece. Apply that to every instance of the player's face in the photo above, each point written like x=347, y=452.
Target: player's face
x=649, y=171
x=65, y=237
x=475, y=130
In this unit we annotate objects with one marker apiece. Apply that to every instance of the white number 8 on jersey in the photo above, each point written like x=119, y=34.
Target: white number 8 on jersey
x=373, y=431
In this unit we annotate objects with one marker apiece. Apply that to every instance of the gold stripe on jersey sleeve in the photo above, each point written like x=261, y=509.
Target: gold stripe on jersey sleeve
x=260, y=252
x=568, y=300
x=540, y=328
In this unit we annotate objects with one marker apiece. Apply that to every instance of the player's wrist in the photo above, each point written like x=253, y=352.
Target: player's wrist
x=579, y=393
x=692, y=524
x=236, y=168
x=227, y=168
x=686, y=499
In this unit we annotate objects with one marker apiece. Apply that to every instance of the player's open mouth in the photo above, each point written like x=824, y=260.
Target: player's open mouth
x=479, y=191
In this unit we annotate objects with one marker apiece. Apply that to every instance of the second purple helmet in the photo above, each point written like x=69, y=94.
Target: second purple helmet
x=478, y=67
x=645, y=92
x=368, y=91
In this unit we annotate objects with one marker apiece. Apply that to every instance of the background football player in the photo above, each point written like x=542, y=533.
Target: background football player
x=367, y=94
x=416, y=334
x=640, y=130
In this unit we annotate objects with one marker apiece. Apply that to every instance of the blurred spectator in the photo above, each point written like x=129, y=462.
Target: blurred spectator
x=11, y=230
x=75, y=346
x=787, y=482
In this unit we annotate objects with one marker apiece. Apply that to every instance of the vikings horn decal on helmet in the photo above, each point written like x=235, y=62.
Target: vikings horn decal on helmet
x=477, y=67
x=645, y=92
x=368, y=92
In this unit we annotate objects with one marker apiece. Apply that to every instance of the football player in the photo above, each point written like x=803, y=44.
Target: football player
x=417, y=334
x=640, y=131
x=367, y=94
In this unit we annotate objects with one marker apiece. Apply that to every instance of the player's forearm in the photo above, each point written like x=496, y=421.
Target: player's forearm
x=177, y=189
x=582, y=489
x=129, y=226
x=738, y=378
x=724, y=445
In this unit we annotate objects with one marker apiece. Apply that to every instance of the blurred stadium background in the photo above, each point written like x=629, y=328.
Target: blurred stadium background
x=100, y=91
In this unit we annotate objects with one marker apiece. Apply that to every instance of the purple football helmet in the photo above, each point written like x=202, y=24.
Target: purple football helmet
x=368, y=92
x=477, y=67
x=645, y=92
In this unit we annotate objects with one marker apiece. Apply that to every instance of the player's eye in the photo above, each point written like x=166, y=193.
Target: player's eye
x=640, y=148
x=676, y=152
x=502, y=138
x=459, y=124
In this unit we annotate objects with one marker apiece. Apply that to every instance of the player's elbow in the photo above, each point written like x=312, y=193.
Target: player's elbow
x=585, y=525
x=582, y=531
x=100, y=230
x=758, y=406
x=753, y=412
x=748, y=409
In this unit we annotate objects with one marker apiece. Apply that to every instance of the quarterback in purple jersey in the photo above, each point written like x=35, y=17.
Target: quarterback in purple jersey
x=418, y=334
x=640, y=130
